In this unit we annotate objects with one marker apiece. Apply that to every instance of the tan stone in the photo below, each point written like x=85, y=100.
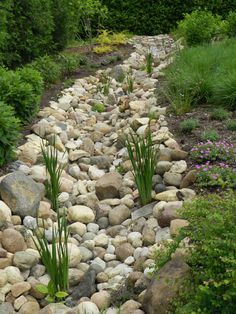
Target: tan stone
x=176, y=225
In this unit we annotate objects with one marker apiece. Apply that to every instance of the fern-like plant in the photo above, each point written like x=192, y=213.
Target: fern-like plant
x=143, y=155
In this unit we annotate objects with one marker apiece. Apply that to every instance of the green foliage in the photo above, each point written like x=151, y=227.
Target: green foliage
x=164, y=252
x=129, y=81
x=216, y=176
x=102, y=49
x=203, y=74
x=54, y=170
x=104, y=84
x=48, y=68
x=231, y=125
x=213, y=151
x=212, y=232
x=22, y=90
x=143, y=155
x=9, y=132
x=210, y=135
x=149, y=63
x=159, y=16
x=99, y=107
x=220, y=114
x=200, y=27
x=188, y=125
x=54, y=256
x=231, y=20
x=28, y=27
x=68, y=62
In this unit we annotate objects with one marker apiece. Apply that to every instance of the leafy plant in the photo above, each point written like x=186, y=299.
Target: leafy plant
x=54, y=170
x=143, y=155
x=98, y=107
x=149, y=63
x=199, y=27
x=48, y=68
x=212, y=232
x=103, y=49
x=213, y=151
x=216, y=176
x=210, y=135
x=68, y=62
x=188, y=125
x=231, y=19
x=9, y=132
x=231, y=125
x=22, y=90
x=224, y=92
x=220, y=114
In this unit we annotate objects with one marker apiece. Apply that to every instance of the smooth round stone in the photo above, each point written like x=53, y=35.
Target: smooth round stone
x=109, y=257
x=13, y=274
x=81, y=213
x=78, y=228
x=30, y=222
x=140, y=252
x=129, y=260
x=98, y=265
x=63, y=197
x=86, y=254
x=88, y=236
x=101, y=240
x=102, y=299
x=111, y=249
x=160, y=187
x=132, y=236
x=89, y=244
x=103, y=222
x=91, y=227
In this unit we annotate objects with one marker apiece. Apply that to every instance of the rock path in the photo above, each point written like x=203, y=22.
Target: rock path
x=110, y=239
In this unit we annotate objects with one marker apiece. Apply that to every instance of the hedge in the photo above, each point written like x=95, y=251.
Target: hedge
x=158, y=16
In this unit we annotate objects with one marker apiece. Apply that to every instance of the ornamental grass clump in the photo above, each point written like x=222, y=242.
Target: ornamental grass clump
x=149, y=63
x=54, y=253
x=143, y=155
x=54, y=171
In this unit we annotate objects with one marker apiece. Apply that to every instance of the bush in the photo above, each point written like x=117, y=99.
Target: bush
x=9, y=132
x=48, y=68
x=68, y=62
x=159, y=16
x=21, y=89
x=204, y=74
x=231, y=20
x=220, y=114
x=231, y=125
x=199, y=27
x=188, y=125
x=212, y=231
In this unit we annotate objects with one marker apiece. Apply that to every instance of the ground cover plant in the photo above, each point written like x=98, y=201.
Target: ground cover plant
x=143, y=155
x=212, y=230
x=188, y=125
x=202, y=74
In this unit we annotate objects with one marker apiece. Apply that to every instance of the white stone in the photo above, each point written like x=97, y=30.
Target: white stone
x=5, y=212
x=13, y=274
x=81, y=213
x=87, y=307
x=95, y=173
x=101, y=240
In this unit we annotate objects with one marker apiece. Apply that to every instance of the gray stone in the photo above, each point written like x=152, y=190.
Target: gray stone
x=86, y=287
x=144, y=211
x=102, y=162
x=173, y=179
x=25, y=260
x=160, y=188
x=6, y=308
x=20, y=193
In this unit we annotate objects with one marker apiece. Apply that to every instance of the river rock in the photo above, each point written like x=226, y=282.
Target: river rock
x=108, y=186
x=81, y=213
x=13, y=241
x=20, y=193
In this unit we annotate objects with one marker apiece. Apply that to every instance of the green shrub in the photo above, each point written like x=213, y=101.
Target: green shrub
x=9, y=132
x=231, y=125
x=22, y=90
x=204, y=74
x=210, y=135
x=68, y=62
x=212, y=231
x=98, y=107
x=199, y=27
x=231, y=19
x=143, y=156
x=48, y=68
x=159, y=16
x=188, y=125
x=220, y=114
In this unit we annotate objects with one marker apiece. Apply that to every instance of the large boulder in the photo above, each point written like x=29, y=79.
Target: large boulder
x=162, y=291
x=20, y=193
x=108, y=186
